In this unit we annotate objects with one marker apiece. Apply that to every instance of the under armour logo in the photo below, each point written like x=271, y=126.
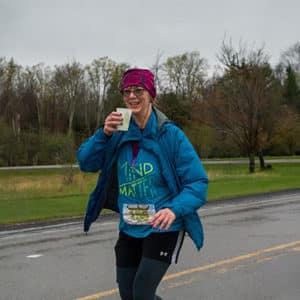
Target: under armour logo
x=163, y=253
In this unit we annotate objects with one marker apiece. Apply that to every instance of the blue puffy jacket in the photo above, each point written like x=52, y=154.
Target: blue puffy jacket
x=180, y=166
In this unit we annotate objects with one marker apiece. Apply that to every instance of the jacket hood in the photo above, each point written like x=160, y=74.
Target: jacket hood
x=161, y=118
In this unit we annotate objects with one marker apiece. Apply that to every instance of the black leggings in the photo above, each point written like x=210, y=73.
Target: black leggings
x=141, y=283
x=142, y=263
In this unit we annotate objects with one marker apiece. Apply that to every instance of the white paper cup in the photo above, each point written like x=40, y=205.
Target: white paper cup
x=126, y=114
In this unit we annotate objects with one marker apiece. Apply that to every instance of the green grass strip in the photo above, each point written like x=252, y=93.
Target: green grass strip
x=39, y=195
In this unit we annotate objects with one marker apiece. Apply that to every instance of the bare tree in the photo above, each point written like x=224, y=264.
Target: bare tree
x=244, y=99
x=68, y=85
x=185, y=75
x=3, y=65
x=114, y=97
x=10, y=98
x=99, y=78
x=291, y=57
x=157, y=69
x=38, y=79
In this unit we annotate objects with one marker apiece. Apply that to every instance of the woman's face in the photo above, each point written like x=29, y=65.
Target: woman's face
x=137, y=99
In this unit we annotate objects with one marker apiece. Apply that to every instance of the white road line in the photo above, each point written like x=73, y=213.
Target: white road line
x=31, y=232
x=34, y=255
x=249, y=205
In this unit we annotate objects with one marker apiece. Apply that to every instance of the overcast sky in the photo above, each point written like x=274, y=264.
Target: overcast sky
x=133, y=31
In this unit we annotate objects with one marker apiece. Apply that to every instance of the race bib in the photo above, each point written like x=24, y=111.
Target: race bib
x=138, y=214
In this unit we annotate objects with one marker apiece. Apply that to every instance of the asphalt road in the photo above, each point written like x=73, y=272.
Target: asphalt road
x=252, y=251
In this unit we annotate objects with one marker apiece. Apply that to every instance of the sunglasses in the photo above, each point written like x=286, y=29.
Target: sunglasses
x=136, y=91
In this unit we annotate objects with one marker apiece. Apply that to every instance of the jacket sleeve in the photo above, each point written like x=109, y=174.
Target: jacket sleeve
x=91, y=154
x=192, y=177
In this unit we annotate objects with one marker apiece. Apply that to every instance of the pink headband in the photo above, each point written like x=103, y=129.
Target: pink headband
x=139, y=77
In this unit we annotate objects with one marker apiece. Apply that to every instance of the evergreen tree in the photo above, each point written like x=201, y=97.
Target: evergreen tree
x=291, y=89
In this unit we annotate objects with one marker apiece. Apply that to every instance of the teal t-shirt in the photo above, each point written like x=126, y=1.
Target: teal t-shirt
x=142, y=191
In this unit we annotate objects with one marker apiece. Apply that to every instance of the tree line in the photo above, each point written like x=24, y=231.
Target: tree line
x=247, y=107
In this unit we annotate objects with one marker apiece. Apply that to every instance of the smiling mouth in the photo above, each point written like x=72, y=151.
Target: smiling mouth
x=134, y=103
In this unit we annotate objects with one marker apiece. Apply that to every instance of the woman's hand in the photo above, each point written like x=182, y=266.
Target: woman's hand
x=163, y=219
x=112, y=121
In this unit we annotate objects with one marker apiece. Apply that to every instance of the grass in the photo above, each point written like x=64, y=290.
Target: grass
x=235, y=180
x=35, y=195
